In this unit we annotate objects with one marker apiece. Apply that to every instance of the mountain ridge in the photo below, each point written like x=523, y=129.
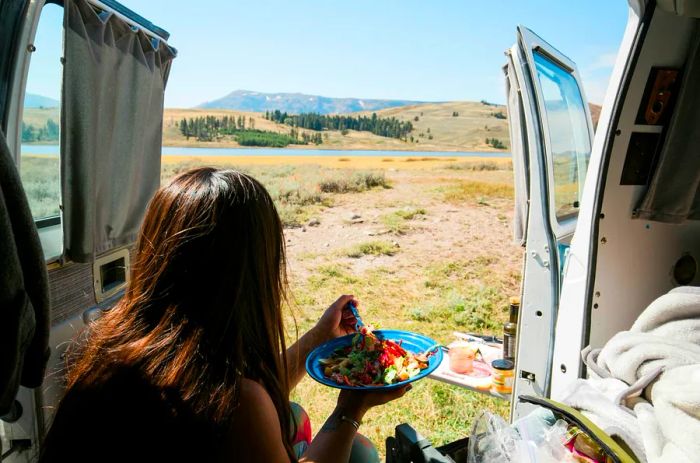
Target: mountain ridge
x=295, y=103
x=32, y=100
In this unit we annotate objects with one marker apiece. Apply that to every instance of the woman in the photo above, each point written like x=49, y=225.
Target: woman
x=191, y=364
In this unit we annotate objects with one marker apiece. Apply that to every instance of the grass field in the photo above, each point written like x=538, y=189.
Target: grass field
x=424, y=243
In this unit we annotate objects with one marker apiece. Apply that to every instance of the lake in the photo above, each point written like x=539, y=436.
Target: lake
x=52, y=150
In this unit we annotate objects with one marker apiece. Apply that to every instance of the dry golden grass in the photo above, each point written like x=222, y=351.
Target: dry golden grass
x=467, y=190
x=38, y=116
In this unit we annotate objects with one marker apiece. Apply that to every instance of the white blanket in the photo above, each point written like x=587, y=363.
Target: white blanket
x=645, y=384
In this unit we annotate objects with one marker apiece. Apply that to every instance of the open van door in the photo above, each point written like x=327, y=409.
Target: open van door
x=551, y=137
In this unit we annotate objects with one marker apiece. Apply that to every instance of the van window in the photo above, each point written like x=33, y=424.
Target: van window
x=39, y=162
x=569, y=141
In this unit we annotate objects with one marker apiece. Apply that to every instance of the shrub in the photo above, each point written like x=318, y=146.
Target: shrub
x=496, y=143
x=372, y=248
x=359, y=181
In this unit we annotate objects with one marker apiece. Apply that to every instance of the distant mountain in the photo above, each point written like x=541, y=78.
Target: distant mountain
x=37, y=101
x=295, y=103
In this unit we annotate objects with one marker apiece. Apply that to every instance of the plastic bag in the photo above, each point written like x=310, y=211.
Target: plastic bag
x=492, y=440
x=536, y=438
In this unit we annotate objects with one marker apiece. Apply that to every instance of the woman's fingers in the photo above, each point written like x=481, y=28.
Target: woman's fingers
x=398, y=393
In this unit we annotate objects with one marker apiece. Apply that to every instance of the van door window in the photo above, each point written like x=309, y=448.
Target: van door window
x=568, y=134
x=39, y=162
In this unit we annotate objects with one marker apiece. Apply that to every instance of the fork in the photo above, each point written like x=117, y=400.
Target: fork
x=358, y=320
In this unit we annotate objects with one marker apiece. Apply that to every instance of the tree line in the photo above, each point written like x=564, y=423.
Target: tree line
x=496, y=143
x=33, y=134
x=210, y=128
x=382, y=126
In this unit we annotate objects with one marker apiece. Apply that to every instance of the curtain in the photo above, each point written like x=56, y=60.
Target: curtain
x=114, y=78
x=674, y=191
x=24, y=289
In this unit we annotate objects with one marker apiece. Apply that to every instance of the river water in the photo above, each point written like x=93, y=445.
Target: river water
x=53, y=150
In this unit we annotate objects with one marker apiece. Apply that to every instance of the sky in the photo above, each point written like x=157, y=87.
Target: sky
x=439, y=50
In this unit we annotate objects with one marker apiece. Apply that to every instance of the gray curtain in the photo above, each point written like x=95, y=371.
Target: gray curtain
x=24, y=289
x=113, y=82
x=674, y=192
x=520, y=159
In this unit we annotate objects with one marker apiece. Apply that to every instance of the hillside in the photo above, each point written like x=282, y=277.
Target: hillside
x=38, y=116
x=295, y=103
x=466, y=130
x=32, y=100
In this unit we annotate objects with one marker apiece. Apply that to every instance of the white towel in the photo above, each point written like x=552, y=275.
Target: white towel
x=665, y=427
x=666, y=335
x=671, y=428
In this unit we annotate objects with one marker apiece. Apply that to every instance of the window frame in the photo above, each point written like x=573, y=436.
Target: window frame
x=562, y=227
x=581, y=161
x=50, y=229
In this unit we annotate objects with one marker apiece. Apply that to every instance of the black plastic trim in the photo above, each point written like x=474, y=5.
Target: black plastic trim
x=48, y=222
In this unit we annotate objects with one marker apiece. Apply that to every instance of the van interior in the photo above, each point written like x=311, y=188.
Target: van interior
x=633, y=235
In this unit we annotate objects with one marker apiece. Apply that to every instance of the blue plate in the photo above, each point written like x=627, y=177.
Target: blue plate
x=411, y=342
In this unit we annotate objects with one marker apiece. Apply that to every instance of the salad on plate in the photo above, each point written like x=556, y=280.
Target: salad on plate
x=371, y=361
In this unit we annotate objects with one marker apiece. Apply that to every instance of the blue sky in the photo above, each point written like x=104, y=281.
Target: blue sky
x=434, y=51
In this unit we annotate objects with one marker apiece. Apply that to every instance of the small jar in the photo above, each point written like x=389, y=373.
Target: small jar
x=502, y=380
x=461, y=356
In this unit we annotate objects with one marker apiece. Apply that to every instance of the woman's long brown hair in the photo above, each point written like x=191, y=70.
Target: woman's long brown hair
x=203, y=308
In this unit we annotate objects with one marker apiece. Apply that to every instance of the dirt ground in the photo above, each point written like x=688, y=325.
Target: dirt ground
x=448, y=231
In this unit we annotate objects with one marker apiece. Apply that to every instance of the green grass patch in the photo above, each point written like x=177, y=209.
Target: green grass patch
x=397, y=299
x=372, y=248
x=395, y=221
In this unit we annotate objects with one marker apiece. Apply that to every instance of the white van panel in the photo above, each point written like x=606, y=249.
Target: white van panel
x=633, y=258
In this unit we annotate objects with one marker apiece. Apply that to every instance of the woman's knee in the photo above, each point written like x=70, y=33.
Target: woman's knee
x=363, y=450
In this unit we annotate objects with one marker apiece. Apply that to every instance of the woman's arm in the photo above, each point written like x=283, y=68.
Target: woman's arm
x=333, y=442
x=334, y=322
